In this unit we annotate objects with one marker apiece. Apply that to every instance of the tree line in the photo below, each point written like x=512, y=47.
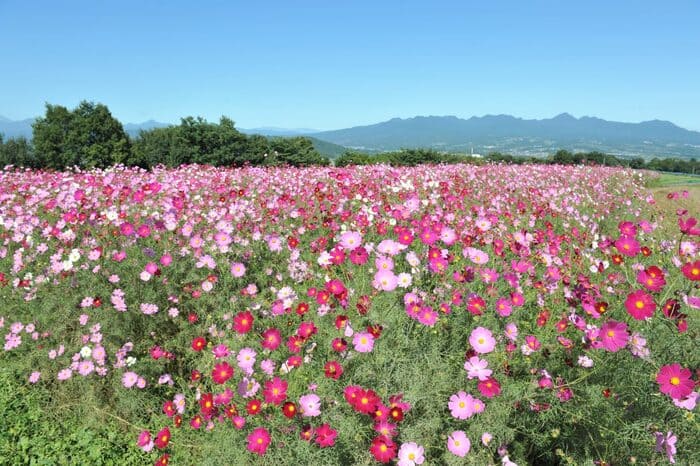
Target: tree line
x=561, y=157
x=89, y=136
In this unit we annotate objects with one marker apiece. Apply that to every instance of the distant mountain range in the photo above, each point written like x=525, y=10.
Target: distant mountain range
x=509, y=134
x=490, y=133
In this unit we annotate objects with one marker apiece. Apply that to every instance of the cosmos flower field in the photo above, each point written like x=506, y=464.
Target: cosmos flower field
x=365, y=315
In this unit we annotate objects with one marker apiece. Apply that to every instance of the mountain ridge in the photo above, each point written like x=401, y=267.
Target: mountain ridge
x=506, y=133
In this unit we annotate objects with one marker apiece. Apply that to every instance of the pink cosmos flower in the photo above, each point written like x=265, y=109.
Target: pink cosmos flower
x=640, y=305
x=246, y=358
x=458, y=444
x=504, y=307
x=477, y=368
x=237, y=269
x=489, y=387
x=688, y=402
x=385, y=280
x=363, y=342
x=350, y=240
x=511, y=331
x=220, y=351
x=145, y=442
x=627, y=246
x=675, y=381
x=275, y=391
x=613, y=335
x=668, y=443
x=325, y=435
x=410, y=454
x=310, y=405
x=34, y=377
x=384, y=263
x=461, y=405
x=482, y=340
x=85, y=368
x=129, y=379
x=258, y=441
x=427, y=316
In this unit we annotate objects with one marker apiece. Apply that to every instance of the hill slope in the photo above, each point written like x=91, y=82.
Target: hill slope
x=510, y=134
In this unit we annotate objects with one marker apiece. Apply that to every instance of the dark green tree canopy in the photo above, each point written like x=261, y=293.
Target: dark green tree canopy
x=87, y=136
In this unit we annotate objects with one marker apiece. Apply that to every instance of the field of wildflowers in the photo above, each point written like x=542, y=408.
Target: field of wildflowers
x=426, y=315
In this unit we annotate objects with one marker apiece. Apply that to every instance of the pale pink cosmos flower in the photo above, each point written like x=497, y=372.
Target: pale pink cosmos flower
x=34, y=377
x=666, y=442
x=688, y=402
x=458, y=444
x=363, y=342
x=129, y=379
x=246, y=358
x=310, y=405
x=410, y=454
x=477, y=368
x=85, y=368
x=350, y=240
x=267, y=366
x=385, y=280
x=237, y=269
x=511, y=331
x=461, y=405
x=481, y=339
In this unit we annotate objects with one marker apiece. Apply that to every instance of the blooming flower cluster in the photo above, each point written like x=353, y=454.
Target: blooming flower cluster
x=276, y=302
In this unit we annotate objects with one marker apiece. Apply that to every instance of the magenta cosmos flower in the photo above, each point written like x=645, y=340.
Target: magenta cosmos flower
x=640, y=305
x=675, y=381
x=275, y=391
x=458, y=443
x=258, y=441
x=482, y=340
x=613, y=335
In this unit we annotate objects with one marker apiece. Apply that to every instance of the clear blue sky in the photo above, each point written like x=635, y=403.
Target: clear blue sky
x=331, y=64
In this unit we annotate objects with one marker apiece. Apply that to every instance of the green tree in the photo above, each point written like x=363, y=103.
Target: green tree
x=18, y=152
x=297, y=151
x=88, y=136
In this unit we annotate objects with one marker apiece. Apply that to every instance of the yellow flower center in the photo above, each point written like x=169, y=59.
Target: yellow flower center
x=461, y=404
x=481, y=341
x=675, y=381
x=639, y=304
x=411, y=456
x=611, y=333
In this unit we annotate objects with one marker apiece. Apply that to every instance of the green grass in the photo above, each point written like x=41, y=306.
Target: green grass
x=667, y=179
x=36, y=429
